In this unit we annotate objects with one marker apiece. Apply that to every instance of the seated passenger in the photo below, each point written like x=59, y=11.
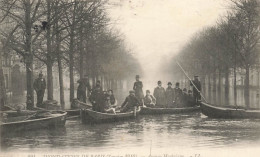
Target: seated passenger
x=130, y=102
x=107, y=106
x=113, y=101
x=149, y=100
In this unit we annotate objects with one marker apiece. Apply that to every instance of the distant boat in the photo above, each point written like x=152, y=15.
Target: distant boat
x=229, y=112
x=90, y=116
x=31, y=121
x=152, y=111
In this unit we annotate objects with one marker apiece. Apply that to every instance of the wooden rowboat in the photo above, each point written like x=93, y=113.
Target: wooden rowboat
x=149, y=110
x=39, y=120
x=229, y=112
x=90, y=116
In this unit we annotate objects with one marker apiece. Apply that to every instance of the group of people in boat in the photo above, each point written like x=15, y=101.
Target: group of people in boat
x=169, y=97
x=104, y=101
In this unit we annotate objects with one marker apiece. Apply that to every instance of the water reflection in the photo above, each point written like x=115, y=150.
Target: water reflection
x=169, y=131
x=163, y=131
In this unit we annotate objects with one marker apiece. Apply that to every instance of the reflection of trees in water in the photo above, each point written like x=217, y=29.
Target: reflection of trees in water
x=219, y=97
x=33, y=138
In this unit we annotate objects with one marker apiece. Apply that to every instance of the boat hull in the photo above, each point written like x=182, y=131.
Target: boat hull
x=89, y=116
x=57, y=119
x=152, y=111
x=228, y=113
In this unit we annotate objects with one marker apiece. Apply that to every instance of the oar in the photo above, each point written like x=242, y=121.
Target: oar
x=191, y=81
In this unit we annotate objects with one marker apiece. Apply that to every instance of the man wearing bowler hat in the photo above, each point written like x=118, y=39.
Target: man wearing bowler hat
x=169, y=93
x=196, y=89
x=159, y=94
x=39, y=86
x=138, y=88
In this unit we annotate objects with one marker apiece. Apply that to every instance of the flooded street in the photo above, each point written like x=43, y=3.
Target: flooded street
x=189, y=131
x=193, y=131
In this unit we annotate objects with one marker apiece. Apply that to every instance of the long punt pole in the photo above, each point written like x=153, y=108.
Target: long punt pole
x=191, y=80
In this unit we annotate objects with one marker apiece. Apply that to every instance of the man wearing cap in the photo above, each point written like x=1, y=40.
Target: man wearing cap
x=138, y=88
x=130, y=102
x=97, y=97
x=149, y=100
x=196, y=92
x=159, y=94
x=178, y=94
x=83, y=86
x=169, y=93
x=39, y=86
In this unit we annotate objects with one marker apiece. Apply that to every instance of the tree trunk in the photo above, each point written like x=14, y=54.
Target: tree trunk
x=81, y=59
x=235, y=86
x=226, y=86
x=58, y=52
x=29, y=56
x=247, y=101
x=215, y=86
x=29, y=78
x=209, y=88
x=49, y=81
x=49, y=56
x=62, y=102
x=71, y=54
x=2, y=85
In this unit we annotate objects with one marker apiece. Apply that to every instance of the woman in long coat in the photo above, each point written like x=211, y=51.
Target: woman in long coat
x=159, y=94
x=138, y=88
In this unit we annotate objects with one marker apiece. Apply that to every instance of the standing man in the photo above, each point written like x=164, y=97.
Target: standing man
x=97, y=97
x=169, y=94
x=196, y=92
x=82, y=88
x=178, y=94
x=39, y=86
x=159, y=94
x=138, y=88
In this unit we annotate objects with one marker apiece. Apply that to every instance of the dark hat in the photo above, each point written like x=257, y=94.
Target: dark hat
x=169, y=83
x=159, y=82
x=196, y=76
x=131, y=91
x=147, y=91
x=40, y=74
x=177, y=84
x=184, y=89
x=98, y=81
x=137, y=76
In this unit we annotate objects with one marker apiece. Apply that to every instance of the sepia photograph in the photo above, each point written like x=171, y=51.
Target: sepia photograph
x=129, y=78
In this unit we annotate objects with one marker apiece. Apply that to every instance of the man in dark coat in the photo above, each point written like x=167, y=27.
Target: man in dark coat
x=196, y=92
x=177, y=94
x=169, y=93
x=82, y=88
x=39, y=86
x=159, y=94
x=138, y=88
x=97, y=97
x=130, y=102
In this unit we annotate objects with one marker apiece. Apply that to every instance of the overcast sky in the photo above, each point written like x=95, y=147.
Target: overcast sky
x=157, y=29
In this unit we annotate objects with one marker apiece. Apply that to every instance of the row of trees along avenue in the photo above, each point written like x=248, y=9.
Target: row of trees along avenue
x=65, y=34
x=231, y=45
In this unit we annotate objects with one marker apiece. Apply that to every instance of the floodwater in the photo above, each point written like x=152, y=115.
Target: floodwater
x=146, y=133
